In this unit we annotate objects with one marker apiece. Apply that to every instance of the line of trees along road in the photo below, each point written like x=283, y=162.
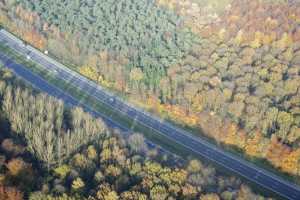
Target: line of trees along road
x=49, y=151
x=51, y=132
x=236, y=79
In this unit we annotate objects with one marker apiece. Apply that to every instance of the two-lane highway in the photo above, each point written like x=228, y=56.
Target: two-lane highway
x=175, y=135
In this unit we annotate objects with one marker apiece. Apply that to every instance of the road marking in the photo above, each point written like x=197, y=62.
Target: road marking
x=180, y=132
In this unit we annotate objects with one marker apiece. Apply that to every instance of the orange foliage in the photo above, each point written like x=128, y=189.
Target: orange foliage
x=210, y=127
x=174, y=112
x=28, y=33
x=25, y=15
x=120, y=83
x=283, y=157
x=154, y=103
x=253, y=147
x=259, y=16
x=10, y=193
x=290, y=163
x=230, y=132
x=253, y=26
x=276, y=151
x=268, y=39
x=177, y=113
x=34, y=38
x=15, y=166
x=233, y=136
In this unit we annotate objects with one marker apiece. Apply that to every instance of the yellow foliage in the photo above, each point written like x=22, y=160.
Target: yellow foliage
x=263, y=72
x=169, y=3
x=294, y=17
x=239, y=39
x=288, y=54
x=89, y=72
x=136, y=74
x=227, y=93
x=285, y=41
x=174, y=112
x=252, y=147
x=2, y=178
x=112, y=170
x=92, y=74
x=112, y=195
x=257, y=42
x=272, y=23
x=154, y=103
x=294, y=134
x=152, y=168
x=77, y=184
x=104, y=82
x=91, y=152
x=178, y=176
x=235, y=137
x=178, y=114
x=105, y=154
x=4, y=19
x=267, y=39
x=222, y=33
x=198, y=103
x=189, y=191
x=62, y=171
x=209, y=197
x=133, y=195
x=290, y=163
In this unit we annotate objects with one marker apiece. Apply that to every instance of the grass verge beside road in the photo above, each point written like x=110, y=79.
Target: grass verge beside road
x=85, y=98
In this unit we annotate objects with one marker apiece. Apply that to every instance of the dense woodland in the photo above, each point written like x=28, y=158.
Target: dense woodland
x=53, y=152
x=228, y=68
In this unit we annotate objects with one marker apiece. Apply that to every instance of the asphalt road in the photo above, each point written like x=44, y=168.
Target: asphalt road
x=176, y=136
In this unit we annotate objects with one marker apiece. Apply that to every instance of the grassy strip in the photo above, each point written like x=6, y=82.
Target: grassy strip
x=122, y=119
x=85, y=98
x=260, y=162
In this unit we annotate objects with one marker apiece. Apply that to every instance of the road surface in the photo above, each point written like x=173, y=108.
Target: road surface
x=175, y=135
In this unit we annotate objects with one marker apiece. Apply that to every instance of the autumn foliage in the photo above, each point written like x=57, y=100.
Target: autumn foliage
x=10, y=193
x=235, y=76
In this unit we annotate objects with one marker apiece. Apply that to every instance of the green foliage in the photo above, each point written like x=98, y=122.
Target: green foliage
x=137, y=29
x=109, y=169
x=40, y=120
x=62, y=171
x=241, y=78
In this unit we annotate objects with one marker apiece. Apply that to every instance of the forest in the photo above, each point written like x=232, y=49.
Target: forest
x=229, y=69
x=54, y=152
